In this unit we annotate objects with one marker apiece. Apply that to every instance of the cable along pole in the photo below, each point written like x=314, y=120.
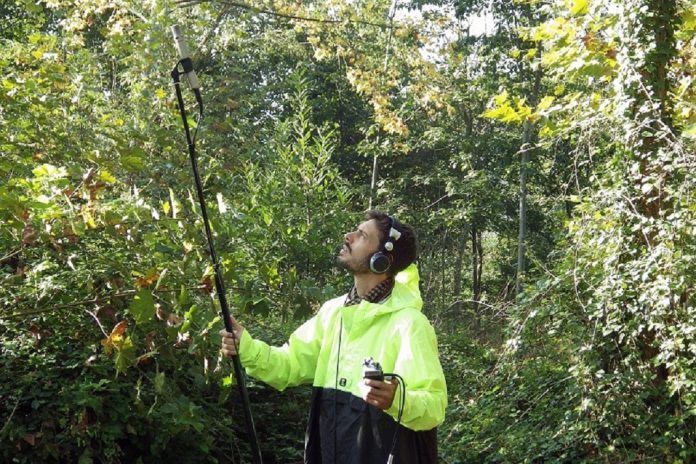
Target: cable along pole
x=186, y=64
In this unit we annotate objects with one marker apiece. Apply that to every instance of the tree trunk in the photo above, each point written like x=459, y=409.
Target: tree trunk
x=479, y=274
x=444, y=250
x=527, y=140
x=522, y=231
x=457, y=274
x=476, y=268
x=373, y=182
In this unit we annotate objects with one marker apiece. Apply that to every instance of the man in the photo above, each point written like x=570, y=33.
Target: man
x=353, y=420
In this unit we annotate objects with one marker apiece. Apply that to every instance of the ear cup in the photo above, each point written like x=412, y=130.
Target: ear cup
x=379, y=263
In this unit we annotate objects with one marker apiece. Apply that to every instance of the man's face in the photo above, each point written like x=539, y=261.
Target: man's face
x=358, y=247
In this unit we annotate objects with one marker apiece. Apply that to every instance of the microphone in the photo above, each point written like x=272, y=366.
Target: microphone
x=185, y=57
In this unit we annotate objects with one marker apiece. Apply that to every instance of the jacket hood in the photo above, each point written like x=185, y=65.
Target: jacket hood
x=408, y=292
x=405, y=294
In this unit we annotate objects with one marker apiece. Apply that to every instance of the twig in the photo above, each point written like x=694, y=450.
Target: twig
x=96, y=319
x=7, y=422
x=138, y=15
x=447, y=195
x=638, y=216
x=525, y=148
x=14, y=253
x=454, y=303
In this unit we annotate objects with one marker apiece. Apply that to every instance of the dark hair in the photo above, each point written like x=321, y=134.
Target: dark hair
x=405, y=249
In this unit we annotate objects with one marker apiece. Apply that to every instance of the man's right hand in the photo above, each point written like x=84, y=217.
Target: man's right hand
x=230, y=342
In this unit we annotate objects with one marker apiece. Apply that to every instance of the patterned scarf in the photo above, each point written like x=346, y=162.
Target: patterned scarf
x=378, y=293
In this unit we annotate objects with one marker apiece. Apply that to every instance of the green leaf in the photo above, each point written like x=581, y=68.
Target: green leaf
x=267, y=219
x=142, y=308
x=86, y=457
x=35, y=38
x=125, y=354
x=50, y=171
x=132, y=163
x=159, y=382
x=183, y=298
x=106, y=176
x=162, y=248
x=690, y=131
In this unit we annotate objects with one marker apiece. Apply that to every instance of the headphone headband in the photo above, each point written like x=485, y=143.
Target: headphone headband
x=381, y=261
x=394, y=234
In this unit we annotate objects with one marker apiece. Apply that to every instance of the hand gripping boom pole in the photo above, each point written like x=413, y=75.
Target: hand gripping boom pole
x=219, y=283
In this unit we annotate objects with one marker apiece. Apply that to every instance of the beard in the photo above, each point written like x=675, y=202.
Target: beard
x=352, y=265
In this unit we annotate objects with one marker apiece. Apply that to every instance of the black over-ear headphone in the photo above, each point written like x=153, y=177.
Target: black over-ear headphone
x=381, y=261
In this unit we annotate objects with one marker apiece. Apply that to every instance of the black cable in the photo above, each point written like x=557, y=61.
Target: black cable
x=400, y=411
x=338, y=358
x=219, y=283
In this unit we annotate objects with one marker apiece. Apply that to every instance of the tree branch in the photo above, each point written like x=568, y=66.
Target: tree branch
x=187, y=3
x=94, y=300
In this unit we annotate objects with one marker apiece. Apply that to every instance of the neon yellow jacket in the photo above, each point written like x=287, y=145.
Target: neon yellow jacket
x=394, y=332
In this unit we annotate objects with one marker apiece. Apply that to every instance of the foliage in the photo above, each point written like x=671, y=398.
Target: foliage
x=619, y=302
x=108, y=325
x=109, y=342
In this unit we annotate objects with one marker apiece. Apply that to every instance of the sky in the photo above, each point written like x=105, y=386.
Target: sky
x=445, y=30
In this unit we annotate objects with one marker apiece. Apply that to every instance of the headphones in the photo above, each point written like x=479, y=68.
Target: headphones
x=381, y=261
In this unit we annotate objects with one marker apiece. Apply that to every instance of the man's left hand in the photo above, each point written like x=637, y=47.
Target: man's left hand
x=379, y=394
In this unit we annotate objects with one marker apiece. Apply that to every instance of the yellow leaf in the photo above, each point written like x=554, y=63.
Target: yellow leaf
x=688, y=20
x=165, y=207
x=523, y=110
x=551, y=30
x=545, y=103
x=545, y=132
x=89, y=220
x=503, y=113
x=578, y=7
x=501, y=98
x=106, y=176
